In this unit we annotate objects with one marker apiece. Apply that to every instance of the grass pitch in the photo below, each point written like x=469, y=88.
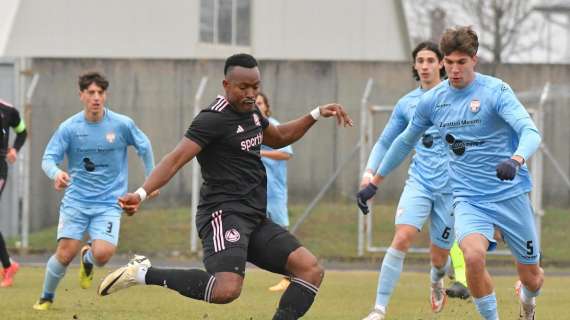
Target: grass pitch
x=343, y=295
x=330, y=232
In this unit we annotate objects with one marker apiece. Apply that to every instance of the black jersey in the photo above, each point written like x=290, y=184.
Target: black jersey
x=9, y=117
x=234, y=176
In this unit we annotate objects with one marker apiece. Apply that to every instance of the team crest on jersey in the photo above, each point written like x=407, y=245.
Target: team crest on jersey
x=232, y=235
x=475, y=105
x=110, y=137
x=256, y=120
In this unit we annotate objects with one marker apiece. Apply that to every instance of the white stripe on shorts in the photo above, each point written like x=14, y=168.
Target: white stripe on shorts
x=218, y=231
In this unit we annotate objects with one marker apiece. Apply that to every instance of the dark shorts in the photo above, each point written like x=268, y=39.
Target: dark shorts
x=3, y=174
x=230, y=239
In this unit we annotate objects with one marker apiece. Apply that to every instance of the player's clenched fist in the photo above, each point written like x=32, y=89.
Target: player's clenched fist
x=130, y=203
x=61, y=181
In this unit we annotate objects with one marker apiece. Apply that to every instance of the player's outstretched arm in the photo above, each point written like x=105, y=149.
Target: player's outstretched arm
x=275, y=154
x=395, y=126
x=287, y=133
x=185, y=151
x=398, y=151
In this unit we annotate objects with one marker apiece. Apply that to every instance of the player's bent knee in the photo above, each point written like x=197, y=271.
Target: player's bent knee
x=533, y=278
x=314, y=273
x=439, y=259
x=102, y=257
x=474, y=260
x=226, y=294
x=403, y=238
x=64, y=256
x=227, y=287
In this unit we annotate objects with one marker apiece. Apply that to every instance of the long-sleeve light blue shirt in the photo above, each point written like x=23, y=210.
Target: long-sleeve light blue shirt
x=483, y=124
x=429, y=164
x=96, y=157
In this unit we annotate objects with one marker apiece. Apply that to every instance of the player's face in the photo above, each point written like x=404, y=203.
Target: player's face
x=93, y=97
x=427, y=65
x=460, y=68
x=260, y=102
x=242, y=87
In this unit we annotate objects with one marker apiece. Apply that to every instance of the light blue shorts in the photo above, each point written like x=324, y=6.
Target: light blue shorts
x=102, y=223
x=417, y=205
x=277, y=212
x=513, y=217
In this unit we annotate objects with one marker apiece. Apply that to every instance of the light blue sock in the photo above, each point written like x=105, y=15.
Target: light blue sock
x=89, y=258
x=392, y=266
x=487, y=307
x=54, y=273
x=530, y=294
x=527, y=296
x=438, y=273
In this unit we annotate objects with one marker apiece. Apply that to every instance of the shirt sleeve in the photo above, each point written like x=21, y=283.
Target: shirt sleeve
x=16, y=122
x=205, y=128
x=406, y=141
x=512, y=111
x=142, y=144
x=55, y=152
x=396, y=125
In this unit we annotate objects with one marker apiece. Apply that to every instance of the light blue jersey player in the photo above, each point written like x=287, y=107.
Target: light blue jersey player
x=490, y=136
x=427, y=193
x=275, y=163
x=95, y=142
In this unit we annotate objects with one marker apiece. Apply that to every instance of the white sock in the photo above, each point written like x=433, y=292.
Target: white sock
x=141, y=275
x=381, y=308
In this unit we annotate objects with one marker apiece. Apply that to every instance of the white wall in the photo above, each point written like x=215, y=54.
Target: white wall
x=329, y=30
x=104, y=28
x=281, y=30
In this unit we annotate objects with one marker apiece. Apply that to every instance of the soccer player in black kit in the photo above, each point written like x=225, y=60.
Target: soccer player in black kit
x=226, y=138
x=9, y=118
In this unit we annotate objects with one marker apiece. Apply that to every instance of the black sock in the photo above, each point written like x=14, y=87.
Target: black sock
x=296, y=300
x=192, y=283
x=4, y=256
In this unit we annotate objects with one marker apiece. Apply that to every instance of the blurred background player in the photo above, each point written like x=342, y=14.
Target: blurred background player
x=9, y=118
x=427, y=193
x=95, y=142
x=275, y=162
x=490, y=137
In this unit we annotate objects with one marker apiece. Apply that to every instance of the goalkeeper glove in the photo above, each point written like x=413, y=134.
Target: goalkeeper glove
x=364, y=195
x=507, y=170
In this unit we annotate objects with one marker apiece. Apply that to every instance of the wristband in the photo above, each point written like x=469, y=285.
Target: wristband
x=142, y=193
x=316, y=113
x=367, y=175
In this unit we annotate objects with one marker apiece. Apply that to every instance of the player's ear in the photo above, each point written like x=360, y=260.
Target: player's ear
x=226, y=84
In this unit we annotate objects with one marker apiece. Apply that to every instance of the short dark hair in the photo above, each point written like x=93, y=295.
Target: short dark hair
x=266, y=100
x=431, y=46
x=462, y=39
x=240, y=60
x=89, y=77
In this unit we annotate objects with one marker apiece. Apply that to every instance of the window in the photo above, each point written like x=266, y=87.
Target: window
x=225, y=22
